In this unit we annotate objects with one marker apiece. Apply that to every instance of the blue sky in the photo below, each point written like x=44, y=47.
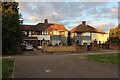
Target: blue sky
x=101, y=15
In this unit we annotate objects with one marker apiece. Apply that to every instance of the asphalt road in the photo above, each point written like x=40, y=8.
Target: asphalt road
x=61, y=66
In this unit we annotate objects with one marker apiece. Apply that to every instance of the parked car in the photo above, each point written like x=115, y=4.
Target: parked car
x=28, y=47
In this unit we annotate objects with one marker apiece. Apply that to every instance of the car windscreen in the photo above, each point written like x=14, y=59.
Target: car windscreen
x=28, y=45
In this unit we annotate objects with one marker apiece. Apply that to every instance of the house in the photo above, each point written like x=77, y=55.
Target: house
x=53, y=34
x=87, y=34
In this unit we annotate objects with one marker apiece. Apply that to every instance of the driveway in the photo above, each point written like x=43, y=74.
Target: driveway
x=61, y=66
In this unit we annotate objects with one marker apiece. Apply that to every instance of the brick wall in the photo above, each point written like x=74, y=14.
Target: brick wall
x=106, y=46
x=94, y=47
x=61, y=47
x=114, y=46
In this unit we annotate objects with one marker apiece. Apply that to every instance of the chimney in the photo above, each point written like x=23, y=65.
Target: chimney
x=84, y=22
x=46, y=21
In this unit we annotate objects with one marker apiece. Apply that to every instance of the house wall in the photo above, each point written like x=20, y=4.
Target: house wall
x=82, y=39
x=73, y=34
x=66, y=34
x=55, y=32
x=99, y=37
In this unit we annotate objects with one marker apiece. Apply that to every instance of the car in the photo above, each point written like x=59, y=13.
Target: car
x=28, y=47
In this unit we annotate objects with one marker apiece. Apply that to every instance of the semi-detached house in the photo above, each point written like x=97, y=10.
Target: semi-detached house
x=53, y=34
x=84, y=33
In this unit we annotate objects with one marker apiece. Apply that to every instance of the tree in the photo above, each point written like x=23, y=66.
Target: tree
x=114, y=35
x=11, y=31
x=115, y=32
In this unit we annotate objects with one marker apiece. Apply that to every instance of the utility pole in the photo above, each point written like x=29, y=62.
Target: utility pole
x=69, y=39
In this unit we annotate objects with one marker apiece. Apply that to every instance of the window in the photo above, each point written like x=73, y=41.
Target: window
x=86, y=41
x=25, y=32
x=55, y=25
x=50, y=32
x=75, y=34
x=94, y=34
x=44, y=32
x=62, y=32
x=39, y=32
x=30, y=32
x=86, y=34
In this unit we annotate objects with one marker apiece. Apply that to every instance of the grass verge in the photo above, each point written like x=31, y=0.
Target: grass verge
x=7, y=68
x=107, y=58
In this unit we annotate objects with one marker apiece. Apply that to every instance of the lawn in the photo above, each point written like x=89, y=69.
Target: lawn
x=7, y=68
x=106, y=58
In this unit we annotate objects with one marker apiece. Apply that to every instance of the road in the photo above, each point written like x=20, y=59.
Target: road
x=61, y=66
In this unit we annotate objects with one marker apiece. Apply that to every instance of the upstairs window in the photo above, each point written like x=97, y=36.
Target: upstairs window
x=86, y=34
x=39, y=32
x=44, y=32
x=62, y=32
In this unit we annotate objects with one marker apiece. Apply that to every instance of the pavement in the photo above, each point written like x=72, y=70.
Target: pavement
x=61, y=66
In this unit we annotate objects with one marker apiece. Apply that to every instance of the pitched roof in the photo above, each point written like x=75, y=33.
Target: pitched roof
x=52, y=28
x=27, y=27
x=86, y=28
x=60, y=27
x=44, y=26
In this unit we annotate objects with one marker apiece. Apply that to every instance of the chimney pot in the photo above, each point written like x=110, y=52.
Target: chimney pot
x=84, y=22
x=46, y=21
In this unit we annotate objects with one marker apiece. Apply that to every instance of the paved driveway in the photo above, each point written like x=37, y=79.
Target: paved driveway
x=61, y=66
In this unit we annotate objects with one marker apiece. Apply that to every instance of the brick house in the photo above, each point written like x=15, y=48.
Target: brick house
x=53, y=34
x=87, y=34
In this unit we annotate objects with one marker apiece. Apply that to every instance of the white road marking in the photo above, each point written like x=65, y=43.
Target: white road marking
x=47, y=70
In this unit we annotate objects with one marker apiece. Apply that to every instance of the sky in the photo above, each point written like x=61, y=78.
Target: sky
x=101, y=15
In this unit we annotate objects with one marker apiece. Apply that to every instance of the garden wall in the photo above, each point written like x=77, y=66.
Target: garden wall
x=114, y=46
x=61, y=47
x=73, y=47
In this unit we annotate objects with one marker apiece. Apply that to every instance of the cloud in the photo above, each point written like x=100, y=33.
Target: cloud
x=56, y=11
x=105, y=26
x=32, y=18
x=77, y=21
x=70, y=14
x=104, y=12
